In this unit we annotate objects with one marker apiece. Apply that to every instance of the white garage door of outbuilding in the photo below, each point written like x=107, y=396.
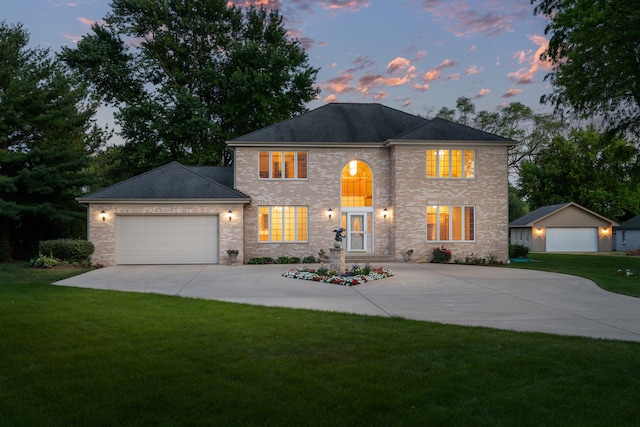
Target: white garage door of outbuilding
x=166, y=239
x=572, y=239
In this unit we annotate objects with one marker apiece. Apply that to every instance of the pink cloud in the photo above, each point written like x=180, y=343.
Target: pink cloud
x=352, y=5
x=511, y=93
x=472, y=70
x=380, y=95
x=331, y=98
x=434, y=74
x=405, y=102
x=483, y=92
x=421, y=88
x=398, y=63
x=453, y=76
x=340, y=83
x=524, y=75
x=488, y=17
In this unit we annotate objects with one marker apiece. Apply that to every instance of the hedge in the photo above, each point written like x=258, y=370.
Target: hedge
x=67, y=249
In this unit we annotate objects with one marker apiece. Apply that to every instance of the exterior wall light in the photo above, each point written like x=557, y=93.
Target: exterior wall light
x=330, y=212
x=385, y=212
x=605, y=231
x=230, y=215
x=539, y=231
x=103, y=215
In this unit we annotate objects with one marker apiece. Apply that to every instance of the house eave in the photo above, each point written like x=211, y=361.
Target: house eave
x=207, y=201
x=442, y=143
x=281, y=144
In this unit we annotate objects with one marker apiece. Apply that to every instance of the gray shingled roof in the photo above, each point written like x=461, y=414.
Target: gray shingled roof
x=171, y=181
x=339, y=122
x=534, y=216
x=632, y=224
x=438, y=129
x=364, y=123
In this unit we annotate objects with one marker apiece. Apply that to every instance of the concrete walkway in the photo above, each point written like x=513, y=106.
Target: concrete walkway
x=503, y=298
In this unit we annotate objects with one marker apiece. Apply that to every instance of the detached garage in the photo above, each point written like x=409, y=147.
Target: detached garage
x=566, y=227
x=171, y=215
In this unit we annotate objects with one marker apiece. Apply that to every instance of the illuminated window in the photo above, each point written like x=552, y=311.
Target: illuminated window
x=450, y=164
x=283, y=224
x=283, y=165
x=357, y=185
x=450, y=223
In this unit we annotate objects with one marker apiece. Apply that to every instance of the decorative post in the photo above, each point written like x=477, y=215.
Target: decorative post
x=337, y=253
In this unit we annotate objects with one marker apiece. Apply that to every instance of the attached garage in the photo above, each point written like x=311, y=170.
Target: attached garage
x=174, y=214
x=167, y=239
x=572, y=239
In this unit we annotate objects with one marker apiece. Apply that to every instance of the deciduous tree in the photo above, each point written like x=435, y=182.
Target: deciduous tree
x=186, y=75
x=593, y=169
x=594, y=47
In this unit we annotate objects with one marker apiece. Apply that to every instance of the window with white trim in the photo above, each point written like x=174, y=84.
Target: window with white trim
x=451, y=223
x=283, y=224
x=283, y=165
x=456, y=164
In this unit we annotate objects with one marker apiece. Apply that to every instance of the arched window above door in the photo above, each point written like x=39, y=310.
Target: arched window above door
x=357, y=185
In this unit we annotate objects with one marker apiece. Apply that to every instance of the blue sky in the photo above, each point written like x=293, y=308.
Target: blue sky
x=413, y=55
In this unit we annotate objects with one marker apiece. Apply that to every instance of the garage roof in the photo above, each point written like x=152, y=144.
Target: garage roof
x=531, y=218
x=173, y=181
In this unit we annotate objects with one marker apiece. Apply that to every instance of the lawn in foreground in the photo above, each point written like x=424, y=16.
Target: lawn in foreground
x=74, y=356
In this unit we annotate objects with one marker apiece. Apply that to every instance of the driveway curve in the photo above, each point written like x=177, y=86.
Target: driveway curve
x=502, y=298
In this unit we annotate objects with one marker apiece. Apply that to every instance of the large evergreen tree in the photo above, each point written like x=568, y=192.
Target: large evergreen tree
x=45, y=131
x=186, y=75
x=595, y=50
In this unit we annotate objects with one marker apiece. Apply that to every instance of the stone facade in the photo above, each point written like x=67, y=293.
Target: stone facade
x=400, y=185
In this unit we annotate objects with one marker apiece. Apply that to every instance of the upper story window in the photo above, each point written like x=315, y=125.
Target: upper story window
x=451, y=163
x=357, y=184
x=283, y=165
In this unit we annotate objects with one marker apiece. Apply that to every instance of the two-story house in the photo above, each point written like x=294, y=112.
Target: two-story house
x=392, y=180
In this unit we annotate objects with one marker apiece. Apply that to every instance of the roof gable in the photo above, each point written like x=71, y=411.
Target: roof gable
x=338, y=122
x=531, y=218
x=171, y=181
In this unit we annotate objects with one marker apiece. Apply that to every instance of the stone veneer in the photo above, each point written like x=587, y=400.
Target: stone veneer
x=102, y=233
x=399, y=184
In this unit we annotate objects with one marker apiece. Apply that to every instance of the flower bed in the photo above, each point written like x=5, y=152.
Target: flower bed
x=354, y=276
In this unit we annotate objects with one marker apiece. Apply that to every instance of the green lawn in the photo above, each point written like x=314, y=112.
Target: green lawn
x=602, y=269
x=84, y=357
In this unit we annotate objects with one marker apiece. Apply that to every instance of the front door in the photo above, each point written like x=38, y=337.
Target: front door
x=357, y=232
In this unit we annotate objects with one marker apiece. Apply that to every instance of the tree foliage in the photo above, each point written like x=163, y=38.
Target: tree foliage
x=516, y=121
x=187, y=75
x=595, y=50
x=46, y=133
x=592, y=169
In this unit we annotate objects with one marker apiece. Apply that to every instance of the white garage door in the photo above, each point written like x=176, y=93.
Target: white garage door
x=162, y=239
x=572, y=239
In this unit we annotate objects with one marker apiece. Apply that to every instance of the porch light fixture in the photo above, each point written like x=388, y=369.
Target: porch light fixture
x=103, y=215
x=605, y=231
x=385, y=212
x=229, y=215
x=538, y=231
x=330, y=212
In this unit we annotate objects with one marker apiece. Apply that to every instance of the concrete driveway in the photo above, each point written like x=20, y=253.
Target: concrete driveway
x=503, y=298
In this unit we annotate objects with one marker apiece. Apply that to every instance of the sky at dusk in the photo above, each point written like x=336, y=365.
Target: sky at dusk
x=413, y=55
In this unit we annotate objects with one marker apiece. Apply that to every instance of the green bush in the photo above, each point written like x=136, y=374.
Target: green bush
x=4, y=249
x=518, y=251
x=260, y=260
x=67, y=249
x=309, y=259
x=44, y=261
